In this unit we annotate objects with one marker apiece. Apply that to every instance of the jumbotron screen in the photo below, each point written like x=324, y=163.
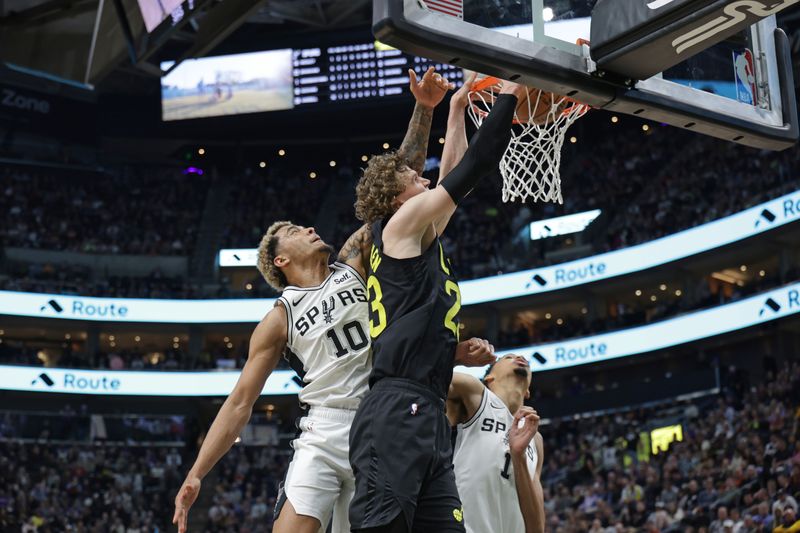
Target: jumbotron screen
x=282, y=79
x=228, y=85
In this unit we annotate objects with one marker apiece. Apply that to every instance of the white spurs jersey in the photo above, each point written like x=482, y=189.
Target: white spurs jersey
x=328, y=338
x=484, y=473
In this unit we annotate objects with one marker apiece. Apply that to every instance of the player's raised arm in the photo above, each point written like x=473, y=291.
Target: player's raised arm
x=463, y=398
x=416, y=215
x=528, y=484
x=428, y=92
x=455, y=140
x=266, y=346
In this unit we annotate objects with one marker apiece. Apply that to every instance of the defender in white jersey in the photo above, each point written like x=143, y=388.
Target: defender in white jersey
x=498, y=455
x=320, y=322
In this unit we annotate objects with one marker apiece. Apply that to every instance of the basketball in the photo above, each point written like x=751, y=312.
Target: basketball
x=538, y=106
x=536, y=109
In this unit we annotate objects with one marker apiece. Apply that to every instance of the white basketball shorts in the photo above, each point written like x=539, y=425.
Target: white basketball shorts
x=319, y=481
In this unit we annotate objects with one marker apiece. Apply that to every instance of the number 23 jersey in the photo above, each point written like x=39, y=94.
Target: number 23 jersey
x=413, y=311
x=328, y=341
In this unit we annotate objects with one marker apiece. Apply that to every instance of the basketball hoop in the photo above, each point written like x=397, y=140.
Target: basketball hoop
x=530, y=166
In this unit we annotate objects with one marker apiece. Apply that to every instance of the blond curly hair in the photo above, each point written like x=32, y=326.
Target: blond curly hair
x=267, y=250
x=378, y=187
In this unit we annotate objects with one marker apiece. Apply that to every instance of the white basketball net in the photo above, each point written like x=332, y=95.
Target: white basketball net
x=530, y=165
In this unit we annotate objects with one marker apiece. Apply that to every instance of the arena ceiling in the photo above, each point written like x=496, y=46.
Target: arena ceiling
x=85, y=41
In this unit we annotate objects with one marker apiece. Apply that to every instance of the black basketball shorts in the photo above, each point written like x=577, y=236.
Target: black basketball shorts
x=401, y=455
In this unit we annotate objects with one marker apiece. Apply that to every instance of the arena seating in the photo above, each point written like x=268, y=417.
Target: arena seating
x=161, y=213
x=738, y=461
x=126, y=211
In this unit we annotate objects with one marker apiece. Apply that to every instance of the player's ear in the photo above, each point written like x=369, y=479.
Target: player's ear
x=527, y=393
x=281, y=261
x=487, y=380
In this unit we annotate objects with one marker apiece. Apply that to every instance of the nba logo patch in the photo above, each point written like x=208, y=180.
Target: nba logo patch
x=744, y=74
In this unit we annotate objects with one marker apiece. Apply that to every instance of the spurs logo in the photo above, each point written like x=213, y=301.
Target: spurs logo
x=733, y=14
x=327, y=309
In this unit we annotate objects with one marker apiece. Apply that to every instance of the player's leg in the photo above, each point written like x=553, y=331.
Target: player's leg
x=340, y=458
x=340, y=522
x=312, y=485
x=439, y=505
x=290, y=522
x=391, y=448
x=398, y=525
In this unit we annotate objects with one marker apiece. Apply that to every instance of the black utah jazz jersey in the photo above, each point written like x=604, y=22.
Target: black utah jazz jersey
x=413, y=315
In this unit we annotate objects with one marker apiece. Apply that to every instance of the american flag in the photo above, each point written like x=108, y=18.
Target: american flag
x=454, y=8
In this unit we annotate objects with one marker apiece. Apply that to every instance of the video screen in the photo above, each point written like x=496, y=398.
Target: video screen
x=228, y=85
x=154, y=12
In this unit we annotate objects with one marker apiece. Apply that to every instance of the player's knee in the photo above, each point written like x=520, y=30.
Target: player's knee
x=289, y=521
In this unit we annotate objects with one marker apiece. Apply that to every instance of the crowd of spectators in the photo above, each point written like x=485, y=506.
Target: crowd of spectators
x=77, y=424
x=648, y=184
x=737, y=469
x=283, y=193
x=53, y=488
x=124, y=211
x=77, y=280
x=246, y=490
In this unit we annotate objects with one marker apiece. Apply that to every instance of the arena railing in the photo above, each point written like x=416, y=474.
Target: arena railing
x=764, y=307
x=713, y=235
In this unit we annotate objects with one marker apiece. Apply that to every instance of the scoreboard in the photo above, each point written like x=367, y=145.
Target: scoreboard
x=357, y=72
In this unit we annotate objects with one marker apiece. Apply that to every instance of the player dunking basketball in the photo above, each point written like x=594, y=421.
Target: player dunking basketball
x=400, y=439
x=498, y=464
x=321, y=321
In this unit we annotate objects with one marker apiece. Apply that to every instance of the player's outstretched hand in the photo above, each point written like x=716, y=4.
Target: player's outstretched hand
x=523, y=429
x=184, y=500
x=509, y=87
x=475, y=352
x=430, y=90
x=462, y=97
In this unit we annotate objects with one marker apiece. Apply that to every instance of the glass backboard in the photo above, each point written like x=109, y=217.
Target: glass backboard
x=740, y=89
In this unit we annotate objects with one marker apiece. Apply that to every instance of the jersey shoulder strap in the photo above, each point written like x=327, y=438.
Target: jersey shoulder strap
x=377, y=233
x=283, y=301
